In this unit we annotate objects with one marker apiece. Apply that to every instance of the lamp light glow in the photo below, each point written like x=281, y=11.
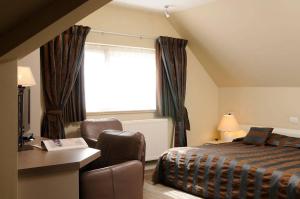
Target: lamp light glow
x=25, y=77
x=228, y=123
x=228, y=127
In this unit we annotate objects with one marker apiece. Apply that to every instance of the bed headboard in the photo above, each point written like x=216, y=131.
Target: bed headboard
x=288, y=132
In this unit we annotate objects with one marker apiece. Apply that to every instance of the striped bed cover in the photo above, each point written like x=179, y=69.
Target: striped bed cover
x=232, y=170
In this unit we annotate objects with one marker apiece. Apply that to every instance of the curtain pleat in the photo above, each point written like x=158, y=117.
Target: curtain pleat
x=61, y=61
x=171, y=62
x=75, y=110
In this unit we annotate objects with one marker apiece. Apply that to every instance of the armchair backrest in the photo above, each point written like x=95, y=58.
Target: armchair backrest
x=91, y=129
x=121, y=146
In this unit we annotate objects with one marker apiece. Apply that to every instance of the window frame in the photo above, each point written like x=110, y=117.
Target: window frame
x=120, y=112
x=97, y=113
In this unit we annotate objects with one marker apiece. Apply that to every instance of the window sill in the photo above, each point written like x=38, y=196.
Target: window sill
x=119, y=112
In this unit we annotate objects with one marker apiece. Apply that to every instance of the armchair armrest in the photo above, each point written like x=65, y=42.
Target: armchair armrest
x=92, y=128
x=90, y=142
x=112, y=182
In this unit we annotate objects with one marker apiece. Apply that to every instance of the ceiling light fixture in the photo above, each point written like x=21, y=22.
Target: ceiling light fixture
x=167, y=14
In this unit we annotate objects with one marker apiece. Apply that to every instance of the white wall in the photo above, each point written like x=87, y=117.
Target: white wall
x=32, y=60
x=8, y=130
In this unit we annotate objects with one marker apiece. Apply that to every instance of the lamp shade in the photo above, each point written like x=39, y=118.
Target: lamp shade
x=25, y=76
x=228, y=123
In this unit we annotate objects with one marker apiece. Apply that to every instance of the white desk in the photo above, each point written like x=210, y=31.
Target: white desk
x=49, y=175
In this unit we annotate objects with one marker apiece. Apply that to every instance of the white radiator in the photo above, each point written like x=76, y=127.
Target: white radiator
x=155, y=132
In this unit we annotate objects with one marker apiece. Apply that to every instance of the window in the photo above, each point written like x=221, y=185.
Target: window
x=119, y=78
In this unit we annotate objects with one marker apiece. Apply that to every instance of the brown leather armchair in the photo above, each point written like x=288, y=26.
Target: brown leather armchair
x=92, y=128
x=118, y=173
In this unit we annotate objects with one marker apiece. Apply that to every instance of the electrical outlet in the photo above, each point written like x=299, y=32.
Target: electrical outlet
x=294, y=120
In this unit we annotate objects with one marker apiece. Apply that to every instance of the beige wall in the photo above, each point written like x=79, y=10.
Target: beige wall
x=202, y=93
x=119, y=19
x=201, y=102
x=266, y=106
x=33, y=61
x=8, y=130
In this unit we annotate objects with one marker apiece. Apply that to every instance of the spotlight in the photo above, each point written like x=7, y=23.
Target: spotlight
x=167, y=14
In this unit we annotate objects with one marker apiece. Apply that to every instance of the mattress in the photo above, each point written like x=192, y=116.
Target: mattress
x=232, y=170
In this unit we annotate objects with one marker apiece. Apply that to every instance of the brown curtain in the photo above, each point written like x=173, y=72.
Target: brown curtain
x=61, y=61
x=74, y=110
x=171, y=84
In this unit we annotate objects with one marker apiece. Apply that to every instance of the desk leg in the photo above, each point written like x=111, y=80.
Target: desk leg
x=58, y=185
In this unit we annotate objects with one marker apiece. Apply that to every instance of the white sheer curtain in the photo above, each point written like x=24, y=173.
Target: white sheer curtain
x=119, y=78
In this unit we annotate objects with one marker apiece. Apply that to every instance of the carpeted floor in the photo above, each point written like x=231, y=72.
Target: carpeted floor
x=162, y=192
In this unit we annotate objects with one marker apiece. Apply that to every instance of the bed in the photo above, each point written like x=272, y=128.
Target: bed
x=232, y=170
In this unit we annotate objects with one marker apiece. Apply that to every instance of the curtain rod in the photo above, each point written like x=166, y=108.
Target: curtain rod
x=122, y=34
x=115, y=45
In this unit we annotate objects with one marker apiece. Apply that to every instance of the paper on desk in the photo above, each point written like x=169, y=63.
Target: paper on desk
x=64, y=144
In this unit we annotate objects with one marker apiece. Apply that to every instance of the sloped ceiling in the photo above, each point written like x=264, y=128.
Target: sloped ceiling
x=14, y=12
x=26, y=25
x=244, y=42
x=158, y=5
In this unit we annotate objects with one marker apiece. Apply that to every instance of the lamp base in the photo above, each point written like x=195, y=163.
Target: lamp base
x=25, y=148
x=229, y=136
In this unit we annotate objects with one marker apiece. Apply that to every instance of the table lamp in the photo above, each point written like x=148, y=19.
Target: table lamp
x=25, y=79
x=228, y=126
